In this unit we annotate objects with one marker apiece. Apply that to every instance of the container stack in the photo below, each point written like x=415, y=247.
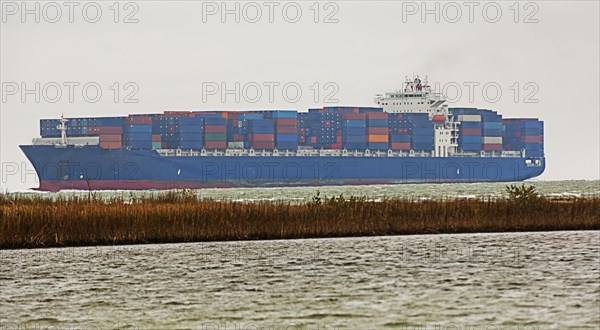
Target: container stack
x=491, y=123
x=189, y=133
x=286, y=129
x=354, y=131
x=325, y=128
x=215, y=131
x=400, y=132
x=137, y=132
x=261, y=134
x=110, y=136
x=377, y=130
x=470, y=129
x=526, y=133
x=422, y=134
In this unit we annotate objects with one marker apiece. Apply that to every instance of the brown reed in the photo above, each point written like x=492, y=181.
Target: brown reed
x=33, y=222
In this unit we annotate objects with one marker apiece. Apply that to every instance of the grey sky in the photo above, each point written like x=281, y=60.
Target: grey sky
x=170, y=52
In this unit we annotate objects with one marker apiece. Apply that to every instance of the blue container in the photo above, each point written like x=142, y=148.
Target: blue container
x=284, y=114
x=470, y=124
x=138, y=128
x=354, y=138
x=422, y=138
x=400, y=138
x=261, y=129
x=137, y=136
x=286, y=137
x=261, y=122
x=532, y=124
x=355, y=145
x=495, y=125
x=422, y=131
x=190, y=144
x=369, y=109
x=190, y=136
x=209, y=115
x=532, y=131
x=196, y=121
x=378, y=145
x=354, y=123
x=354, y=131
x=287, y=145
x=492, y=132
x=215, y=121
x=246, y=116
x=109, y=121
x=138, y=144
x=377, y=123
x=426, y=146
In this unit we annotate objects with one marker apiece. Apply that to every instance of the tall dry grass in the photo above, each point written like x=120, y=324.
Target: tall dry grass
x=27, y=222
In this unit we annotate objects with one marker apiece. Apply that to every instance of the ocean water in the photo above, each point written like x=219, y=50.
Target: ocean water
x=552, y=189
x=544, y=280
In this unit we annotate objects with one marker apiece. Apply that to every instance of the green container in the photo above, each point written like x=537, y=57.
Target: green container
x=215, y=137
x=156, y=145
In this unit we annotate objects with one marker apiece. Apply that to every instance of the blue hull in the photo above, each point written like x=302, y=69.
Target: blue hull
x=94, y=168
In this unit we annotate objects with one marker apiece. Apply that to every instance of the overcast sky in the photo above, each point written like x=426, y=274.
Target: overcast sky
x=543, y=57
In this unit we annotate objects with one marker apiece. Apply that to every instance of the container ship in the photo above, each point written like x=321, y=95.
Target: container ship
x=408, y=136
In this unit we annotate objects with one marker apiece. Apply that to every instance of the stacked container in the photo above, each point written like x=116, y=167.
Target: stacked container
x=215, y=131
x=377, y=130
x=286, y=129
x=526, y=133
x=354, y=131
x=400, y=129
x=261, y=134
x=422, y=134
x=470, y=129
x=491, y=124
x=137, y=132
x=189, y=133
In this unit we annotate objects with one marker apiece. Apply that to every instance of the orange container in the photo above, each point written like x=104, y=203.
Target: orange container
x=377, y=138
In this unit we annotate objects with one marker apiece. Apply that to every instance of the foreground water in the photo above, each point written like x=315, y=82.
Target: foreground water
x=483, y=281
x=552, y=189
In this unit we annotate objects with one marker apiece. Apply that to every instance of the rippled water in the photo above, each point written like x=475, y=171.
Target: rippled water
x=572, y=188
x=483, y=281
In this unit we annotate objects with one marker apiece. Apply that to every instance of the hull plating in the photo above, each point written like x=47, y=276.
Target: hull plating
x=92, y=168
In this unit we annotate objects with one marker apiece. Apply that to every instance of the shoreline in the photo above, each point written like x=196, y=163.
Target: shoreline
x=28, y=223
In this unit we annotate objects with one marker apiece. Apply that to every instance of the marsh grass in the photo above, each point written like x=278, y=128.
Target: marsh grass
x=31, y=222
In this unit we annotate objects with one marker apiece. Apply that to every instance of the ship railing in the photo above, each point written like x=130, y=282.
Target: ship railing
x=330, y=153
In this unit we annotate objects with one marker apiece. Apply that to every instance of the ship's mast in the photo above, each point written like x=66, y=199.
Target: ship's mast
x=63, y=130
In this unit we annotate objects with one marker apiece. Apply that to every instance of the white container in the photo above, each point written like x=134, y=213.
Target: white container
x=492, y=140
x=471, y=118
x=235, y=145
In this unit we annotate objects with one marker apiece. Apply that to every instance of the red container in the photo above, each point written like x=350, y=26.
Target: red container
x=377, y=130
x=532, y=138
x=215, y=144
x=215, y=129
x=110, y=145
x=105, y=130
x=110, y=138
x=263, y=145
x=164, y=145
x=313, y=139
x=261, y=137
x=377, y=115
x=353, y=116
x=156, y=137
x=286, y=129
x=400, y=145
x=285, y=121
x=492, y=147
x=138, y=120
x=470, y=131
